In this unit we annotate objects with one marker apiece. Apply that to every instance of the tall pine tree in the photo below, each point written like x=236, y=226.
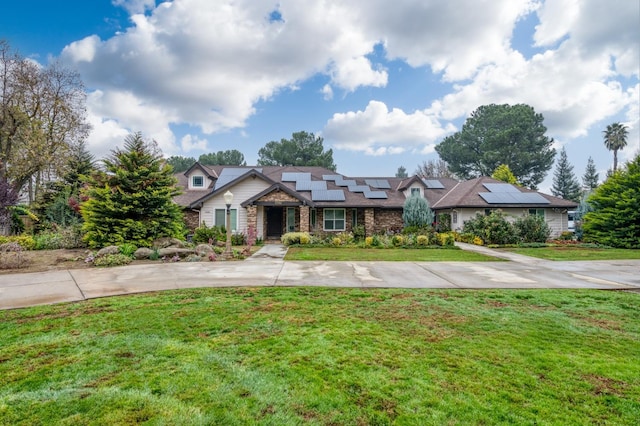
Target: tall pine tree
x=132, y=201
x=565, y=184
x=590, y=177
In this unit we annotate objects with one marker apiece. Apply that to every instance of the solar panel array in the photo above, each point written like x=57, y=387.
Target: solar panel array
x=295, y=177
x=359, y=188
x=327, y=195
x=434, y=184
x=513, y=198
x=230, y=174
x=310, y=185
x=378, y=183
x=500, y=187
x=375, y=194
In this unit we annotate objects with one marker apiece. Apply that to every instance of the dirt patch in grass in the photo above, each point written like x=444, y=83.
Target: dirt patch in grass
x=47, y=260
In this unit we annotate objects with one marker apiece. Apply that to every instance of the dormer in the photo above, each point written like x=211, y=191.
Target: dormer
x=199, y=177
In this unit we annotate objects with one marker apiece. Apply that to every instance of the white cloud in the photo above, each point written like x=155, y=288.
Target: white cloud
x=378, y=131
x=327, y=92
x=193, y=143
x=135, y=6
x=207, y=63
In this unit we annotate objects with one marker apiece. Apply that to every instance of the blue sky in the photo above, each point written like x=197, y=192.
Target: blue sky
x=382, y=82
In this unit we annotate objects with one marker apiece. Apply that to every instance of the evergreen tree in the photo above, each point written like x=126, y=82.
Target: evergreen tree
x=590, y=177
x=416, y=212
x=504, y=173
x=180, y=163
x=402, y=172
x=565, y=184
x=303, y=149
x=615, y=218
x=131, y=202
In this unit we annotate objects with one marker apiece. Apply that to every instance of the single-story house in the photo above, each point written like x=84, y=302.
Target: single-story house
x=279, y=199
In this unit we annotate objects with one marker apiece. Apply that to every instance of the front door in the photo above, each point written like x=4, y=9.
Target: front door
x=274, y=222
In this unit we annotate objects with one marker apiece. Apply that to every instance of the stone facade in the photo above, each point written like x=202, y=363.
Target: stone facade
x=191, y=219
x=304, y=219
x=387, y=220
x=252, y=217
x=279, y=197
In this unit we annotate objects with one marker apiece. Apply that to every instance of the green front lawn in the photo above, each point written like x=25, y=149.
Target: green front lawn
x=291, y=356
x=577, y=253
x=372, y=254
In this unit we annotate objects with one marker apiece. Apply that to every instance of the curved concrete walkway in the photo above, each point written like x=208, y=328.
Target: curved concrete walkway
x=268, y=268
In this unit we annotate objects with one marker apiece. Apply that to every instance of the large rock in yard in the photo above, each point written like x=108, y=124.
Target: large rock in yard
x=172, y=251
x=143, y=253
x=165, y=242
x=203, y=249
x=107, y=251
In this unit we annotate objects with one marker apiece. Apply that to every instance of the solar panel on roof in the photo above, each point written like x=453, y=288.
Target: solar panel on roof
x=229, y=174
x=375, y=194
x=331, y=177
x=358, y=188
x=327, y=195
x=347, y=182
x=513, y=198
x=308, y=185
x=295, y=177
x=433, y=183
x=378, y=183
x=501, y=187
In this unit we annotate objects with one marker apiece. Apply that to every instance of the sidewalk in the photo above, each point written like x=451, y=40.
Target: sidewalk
x=268, y=268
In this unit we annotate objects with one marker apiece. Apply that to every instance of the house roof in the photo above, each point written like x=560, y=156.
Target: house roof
x=321, y=187
x=485, y=192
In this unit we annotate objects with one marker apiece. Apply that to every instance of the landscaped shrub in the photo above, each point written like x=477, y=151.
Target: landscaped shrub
x=446, y=239
x=127, y=249
x=291, y=238
x=345, y=238
x=118, y=259
x=358, y=232
x=422, y=240
x=416, y=212
x=368, y=241
x=397, y=240
x=59, y=238
x=336, y=241
x=532, y=229
x=25, y=241
x=238, y=239
x=493, y=229
x=209, y=235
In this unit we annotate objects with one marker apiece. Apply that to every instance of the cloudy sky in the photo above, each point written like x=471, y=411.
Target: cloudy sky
x=383, y=82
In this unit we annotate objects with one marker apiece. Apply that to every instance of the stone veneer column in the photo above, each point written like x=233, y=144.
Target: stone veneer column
x=369, y=221
x=252, y=217
x=304, y=219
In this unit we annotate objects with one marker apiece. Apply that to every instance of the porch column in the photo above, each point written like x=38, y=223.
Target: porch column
x=252, y=217
x=369, y=221
x=304, y=219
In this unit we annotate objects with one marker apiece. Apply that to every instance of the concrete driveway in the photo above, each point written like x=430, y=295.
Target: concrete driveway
x=267, y=268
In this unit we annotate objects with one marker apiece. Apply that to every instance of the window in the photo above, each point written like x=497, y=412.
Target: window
x=291, y=219
x=454, y=217
x=415, y=192
x=197, y=181
x=220, y=218
x=314, y=218
x=537, y=212
x=354, y=218
x=487, y=212
x=334, y=219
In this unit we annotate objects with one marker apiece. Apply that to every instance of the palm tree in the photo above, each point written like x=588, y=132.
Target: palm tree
x=615, y=139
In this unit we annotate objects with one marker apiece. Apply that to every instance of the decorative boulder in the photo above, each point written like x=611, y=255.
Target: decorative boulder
x=165, y=242
x=107, y=251
x=173, y=251
x=203, y=249
x=142, y=253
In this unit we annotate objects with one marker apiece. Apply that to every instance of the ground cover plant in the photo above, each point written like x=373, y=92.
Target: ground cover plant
x=291, y=356
x=373, y=254
x=576, y=252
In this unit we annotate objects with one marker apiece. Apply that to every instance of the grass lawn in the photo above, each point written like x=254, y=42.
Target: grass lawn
x=371, y=254
x=291, y=356
x=577, y=253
